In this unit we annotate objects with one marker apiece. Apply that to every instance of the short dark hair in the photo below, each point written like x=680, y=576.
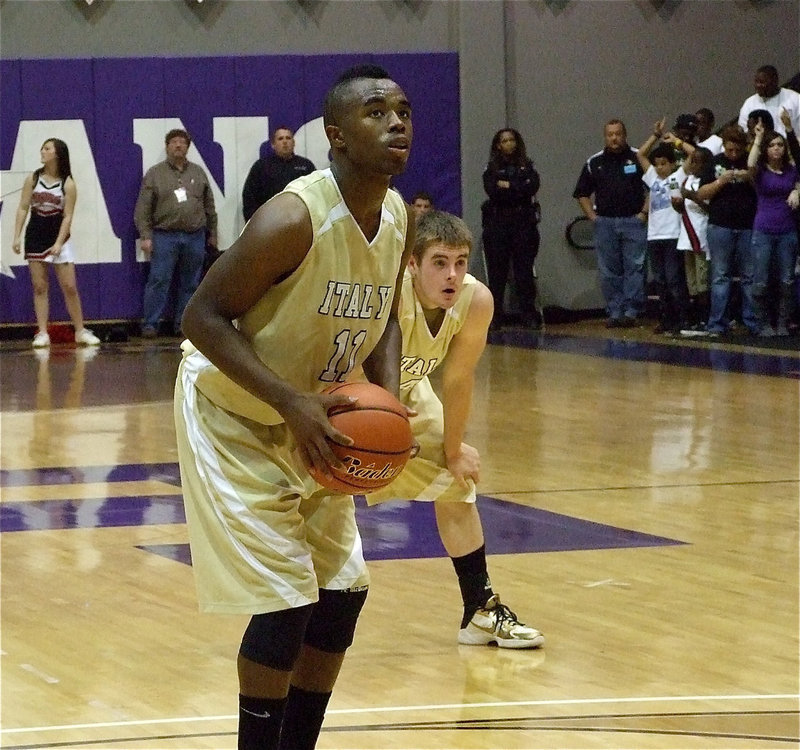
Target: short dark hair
x=440, y=227
x=707, y=113
x=770, y=70
x=734, y=134
x=333, y=98
x=765, y=116
x=703, y=155
x=423, y=196
x=617, y=121
x=663, y=151
x=685, y=121
x=177, y=133
x=280, y=127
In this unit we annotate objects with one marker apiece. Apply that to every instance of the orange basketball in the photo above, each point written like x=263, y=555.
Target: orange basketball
x=379, y=427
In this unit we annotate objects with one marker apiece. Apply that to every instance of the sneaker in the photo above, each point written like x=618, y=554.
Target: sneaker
x=767, y=332
x=85, y=337
x=701, y=332
x=149, y=333
x=782, y=330
x=496, y=623
x=41, y=340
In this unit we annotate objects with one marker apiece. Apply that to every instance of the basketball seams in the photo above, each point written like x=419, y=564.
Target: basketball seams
x=355, y=407
x=385, y=434
x=368, y=449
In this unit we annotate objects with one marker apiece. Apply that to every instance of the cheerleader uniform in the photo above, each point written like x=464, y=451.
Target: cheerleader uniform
x=47, y=213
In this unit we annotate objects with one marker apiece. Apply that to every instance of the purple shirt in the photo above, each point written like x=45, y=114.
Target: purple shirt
x=773, y=215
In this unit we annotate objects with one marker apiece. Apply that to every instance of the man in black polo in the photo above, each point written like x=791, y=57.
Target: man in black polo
x=271, y=174
x=614, y=178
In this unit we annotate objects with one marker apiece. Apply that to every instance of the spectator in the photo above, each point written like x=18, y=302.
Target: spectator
x=758, y=115
x=693, y=239
x=664, y=177
x=510, y=232
x=272, y=173
x=731, y=210
x=422, y=203
x=770, y=96
x=705, y=136
x=444, y=317
x=777, y=185
x=683, y=131
x=613, y=177
x=49, y=193
x=794, y=150
x=791, y=138
x=175, y=216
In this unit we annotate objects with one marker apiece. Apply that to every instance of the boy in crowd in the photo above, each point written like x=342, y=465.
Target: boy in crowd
x=664, y=178
x=693, y=239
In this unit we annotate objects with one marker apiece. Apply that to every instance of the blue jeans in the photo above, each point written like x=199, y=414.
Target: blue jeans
x=730, y=249
x=669, y=276
x=184, y=251
x=783, y=249
x=621, y=244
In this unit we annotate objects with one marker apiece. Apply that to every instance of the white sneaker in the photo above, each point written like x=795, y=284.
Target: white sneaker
x=85, y=337
x=41, y=340
x=496, y=623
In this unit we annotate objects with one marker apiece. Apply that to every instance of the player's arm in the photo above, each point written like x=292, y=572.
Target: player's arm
x=458, y=382
x=382, y=366
x=271, y=246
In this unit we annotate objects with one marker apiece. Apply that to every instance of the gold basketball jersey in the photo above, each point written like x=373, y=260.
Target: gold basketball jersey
x=319, y=324
x=422, y=351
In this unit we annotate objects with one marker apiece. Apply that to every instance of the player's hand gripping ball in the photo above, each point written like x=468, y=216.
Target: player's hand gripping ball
x=382, y=441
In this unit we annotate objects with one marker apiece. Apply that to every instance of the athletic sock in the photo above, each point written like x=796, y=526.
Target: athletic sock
x=260, y=722
x=303, y=718
x=473, y=580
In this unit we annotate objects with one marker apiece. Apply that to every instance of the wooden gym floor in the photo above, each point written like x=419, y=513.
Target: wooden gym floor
x=640, y=503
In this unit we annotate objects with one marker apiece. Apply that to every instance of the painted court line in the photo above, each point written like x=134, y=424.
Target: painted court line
x=432, y=707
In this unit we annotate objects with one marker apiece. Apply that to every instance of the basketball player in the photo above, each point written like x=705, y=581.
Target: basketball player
x=308, y=293
x=445, y=315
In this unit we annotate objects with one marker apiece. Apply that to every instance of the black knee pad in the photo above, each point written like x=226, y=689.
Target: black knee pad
x=274, y=639
x=333, y=621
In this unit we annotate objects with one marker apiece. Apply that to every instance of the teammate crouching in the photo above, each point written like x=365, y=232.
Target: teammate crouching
x=444, y=316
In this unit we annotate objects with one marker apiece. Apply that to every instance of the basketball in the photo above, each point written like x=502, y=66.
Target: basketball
x=382, y=439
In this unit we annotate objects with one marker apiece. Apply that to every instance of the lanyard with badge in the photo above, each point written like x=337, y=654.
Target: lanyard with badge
x=180, y=192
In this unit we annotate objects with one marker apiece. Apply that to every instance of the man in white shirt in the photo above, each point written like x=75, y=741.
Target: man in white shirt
x=706, y=137
x=770, y=96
